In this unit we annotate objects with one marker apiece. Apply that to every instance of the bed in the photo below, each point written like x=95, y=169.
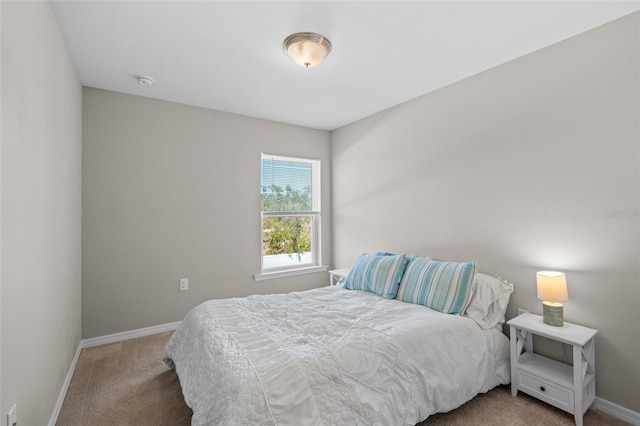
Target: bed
x=333, y=356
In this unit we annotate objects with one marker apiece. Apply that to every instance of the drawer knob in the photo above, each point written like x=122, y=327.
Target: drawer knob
x=542, y=389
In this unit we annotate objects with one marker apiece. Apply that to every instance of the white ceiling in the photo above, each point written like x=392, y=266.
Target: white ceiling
x=228, y=56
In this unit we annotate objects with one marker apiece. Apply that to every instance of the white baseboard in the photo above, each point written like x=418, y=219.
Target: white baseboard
x=618, y=411
x=126, y=335
x=103, y=340
x=65, y=386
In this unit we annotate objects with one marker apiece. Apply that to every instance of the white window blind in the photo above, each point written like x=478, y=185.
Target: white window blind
x=290, y=189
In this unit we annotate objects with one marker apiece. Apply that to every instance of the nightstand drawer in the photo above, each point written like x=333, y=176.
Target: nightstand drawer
x=548, y=392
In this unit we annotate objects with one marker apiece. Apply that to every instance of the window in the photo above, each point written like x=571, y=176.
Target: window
x=290, y=203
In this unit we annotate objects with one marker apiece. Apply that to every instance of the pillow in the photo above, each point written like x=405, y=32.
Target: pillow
x=377, y=274
x=443, y=286
x=489, y=301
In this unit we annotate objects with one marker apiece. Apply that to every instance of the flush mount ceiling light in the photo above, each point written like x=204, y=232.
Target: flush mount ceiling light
x=307, y=49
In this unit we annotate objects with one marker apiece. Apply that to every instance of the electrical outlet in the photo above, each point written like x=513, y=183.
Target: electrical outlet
x=184, y=284
x=12, y=417
x=522, y=311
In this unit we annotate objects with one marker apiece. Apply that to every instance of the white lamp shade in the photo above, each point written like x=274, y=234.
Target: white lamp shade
x=552, y=286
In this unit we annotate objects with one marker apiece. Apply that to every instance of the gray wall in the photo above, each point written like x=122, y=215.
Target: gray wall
x=172, y=191
x=531, y=165
x=41, y=178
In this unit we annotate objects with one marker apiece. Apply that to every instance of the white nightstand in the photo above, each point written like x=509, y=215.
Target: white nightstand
x=337, y=276
x=570, y=388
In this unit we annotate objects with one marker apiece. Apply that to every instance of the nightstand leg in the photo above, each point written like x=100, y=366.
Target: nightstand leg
x=584, y=381
x=521, y=341
x=578, y=380
x=514, y=360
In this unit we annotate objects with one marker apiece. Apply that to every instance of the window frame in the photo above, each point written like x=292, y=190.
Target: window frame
x=315, y=215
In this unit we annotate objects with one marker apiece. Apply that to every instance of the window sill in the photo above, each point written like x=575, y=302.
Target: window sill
x=290, y=272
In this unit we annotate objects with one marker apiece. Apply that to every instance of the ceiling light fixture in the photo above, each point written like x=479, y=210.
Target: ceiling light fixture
x=145, y=81
x=307, y=49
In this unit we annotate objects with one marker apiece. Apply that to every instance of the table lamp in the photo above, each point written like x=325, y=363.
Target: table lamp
x=552, y=290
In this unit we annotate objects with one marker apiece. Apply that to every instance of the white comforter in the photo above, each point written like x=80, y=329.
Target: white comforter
x=330, y=356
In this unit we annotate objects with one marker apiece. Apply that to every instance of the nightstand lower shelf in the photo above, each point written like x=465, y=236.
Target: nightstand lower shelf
x=551, y=381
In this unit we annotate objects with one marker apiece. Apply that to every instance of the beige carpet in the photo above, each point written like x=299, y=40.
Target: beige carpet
x=127, y=383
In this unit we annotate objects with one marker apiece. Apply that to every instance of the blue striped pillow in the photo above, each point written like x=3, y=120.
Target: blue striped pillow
x=443, y=286
x=377, y=274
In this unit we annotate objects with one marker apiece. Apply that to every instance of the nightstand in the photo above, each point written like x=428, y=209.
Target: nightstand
x=570, y=388
x=337, y=276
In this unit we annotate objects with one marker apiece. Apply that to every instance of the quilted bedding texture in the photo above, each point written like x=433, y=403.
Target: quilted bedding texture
x=330, y=356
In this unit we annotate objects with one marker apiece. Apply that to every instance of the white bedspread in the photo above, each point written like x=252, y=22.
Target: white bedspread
x=330, y=356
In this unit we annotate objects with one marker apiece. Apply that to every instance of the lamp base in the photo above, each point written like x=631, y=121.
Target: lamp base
x=553, y=313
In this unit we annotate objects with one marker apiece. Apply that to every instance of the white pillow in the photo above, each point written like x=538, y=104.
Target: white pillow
x=489, y=301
